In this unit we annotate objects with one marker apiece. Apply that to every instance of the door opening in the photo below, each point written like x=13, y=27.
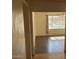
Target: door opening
x=49, y=33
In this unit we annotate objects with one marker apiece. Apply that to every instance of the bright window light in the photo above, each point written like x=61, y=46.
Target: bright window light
x=56, y=22
x=57, y=38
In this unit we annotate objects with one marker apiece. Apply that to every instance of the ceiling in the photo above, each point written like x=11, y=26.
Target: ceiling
x=48, y=5
x=48, y=0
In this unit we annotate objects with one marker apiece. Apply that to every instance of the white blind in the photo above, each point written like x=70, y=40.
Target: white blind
x=56, y=22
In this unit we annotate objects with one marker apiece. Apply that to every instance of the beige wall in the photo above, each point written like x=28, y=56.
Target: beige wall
x=39, y=19
x=34, y=30
x=18, y=40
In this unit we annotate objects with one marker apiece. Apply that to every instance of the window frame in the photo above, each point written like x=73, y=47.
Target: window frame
x=47, y=30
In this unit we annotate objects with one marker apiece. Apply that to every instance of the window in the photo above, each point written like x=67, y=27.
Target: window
x=56, y=22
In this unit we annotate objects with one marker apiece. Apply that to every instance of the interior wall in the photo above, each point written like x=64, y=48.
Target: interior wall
x=40, y=23
x=18, y=39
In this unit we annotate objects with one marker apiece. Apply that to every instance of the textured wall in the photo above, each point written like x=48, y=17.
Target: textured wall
x=18, y=39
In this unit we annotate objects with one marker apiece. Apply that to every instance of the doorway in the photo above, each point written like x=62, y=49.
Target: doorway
x=39, y=39
x=49, y=34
